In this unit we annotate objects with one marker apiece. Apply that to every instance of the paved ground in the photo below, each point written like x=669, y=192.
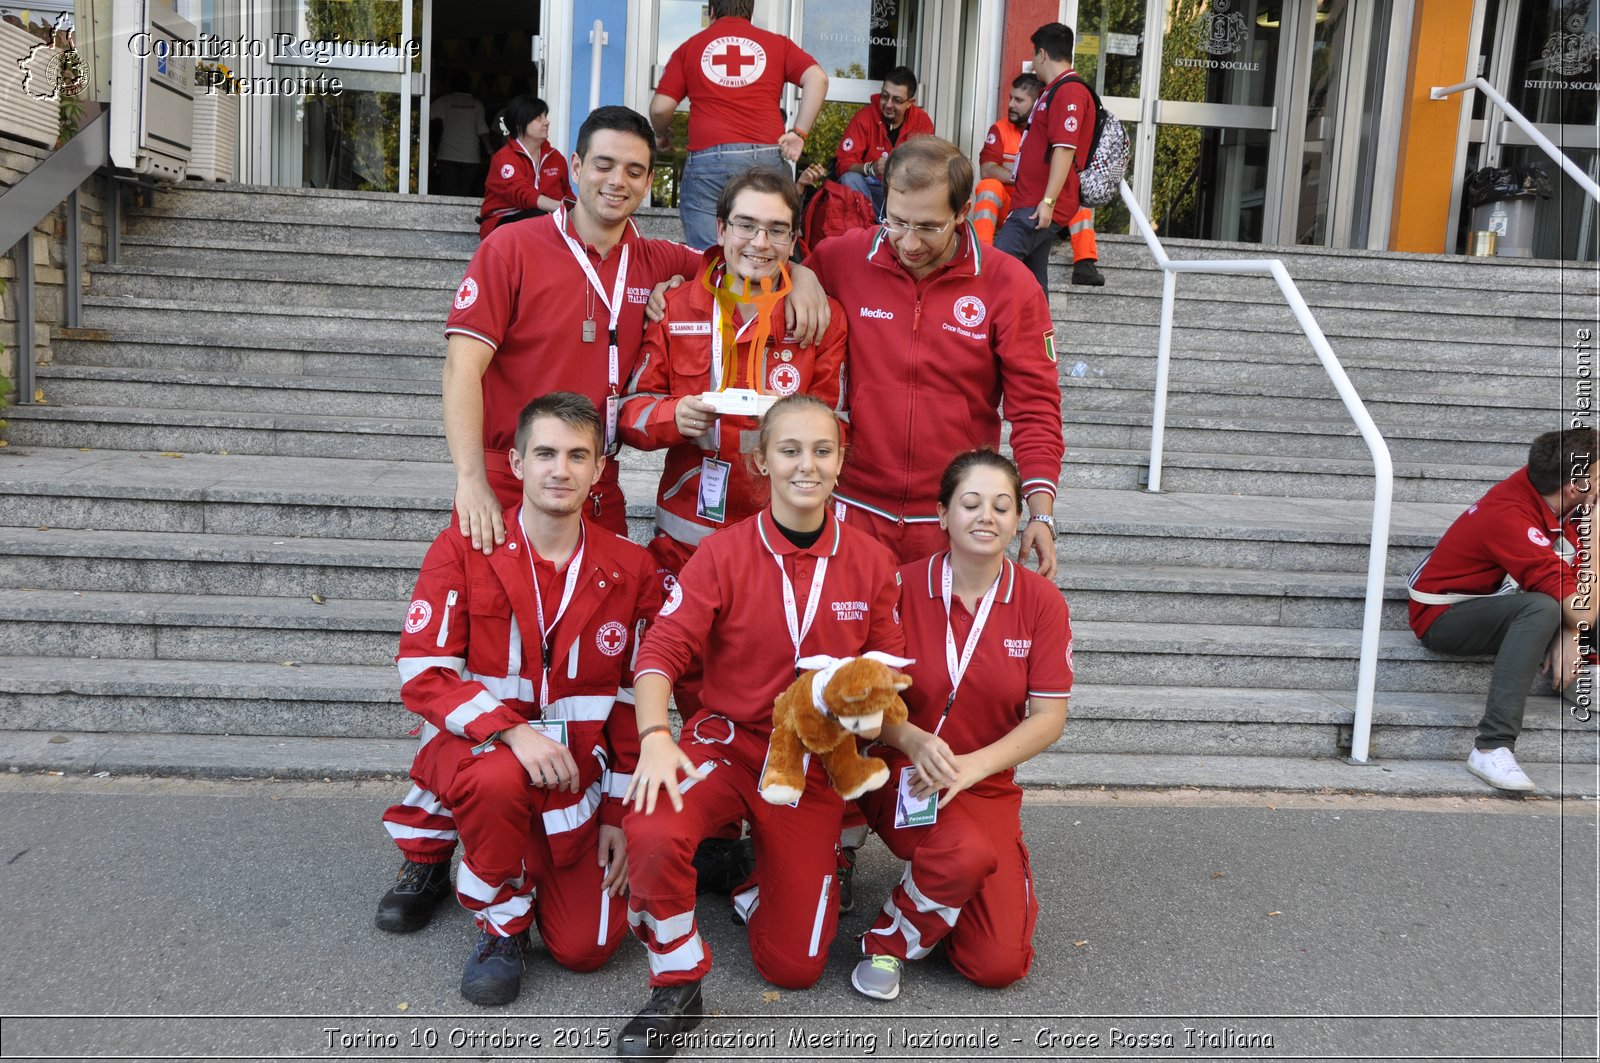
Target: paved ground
x=160, y=919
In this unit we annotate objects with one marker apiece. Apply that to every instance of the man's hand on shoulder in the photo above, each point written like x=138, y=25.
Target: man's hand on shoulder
x=805, y=311
x=479, y=513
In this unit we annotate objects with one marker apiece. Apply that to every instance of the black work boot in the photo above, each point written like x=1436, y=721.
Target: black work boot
x=417, y=892
x=1086, y=273
x=493, y=974
x=671, y=1010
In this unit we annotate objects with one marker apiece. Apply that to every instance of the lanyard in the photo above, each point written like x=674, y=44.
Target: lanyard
x=574, y=563
x=797, y=629
x=618, y=291
x=958, y=669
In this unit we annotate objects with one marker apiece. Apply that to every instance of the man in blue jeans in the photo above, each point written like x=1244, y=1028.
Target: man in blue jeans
x=733, y=75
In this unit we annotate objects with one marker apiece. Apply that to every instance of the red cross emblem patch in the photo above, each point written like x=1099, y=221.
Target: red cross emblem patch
x=733, y=62
x=417, y=616
x=611, y=637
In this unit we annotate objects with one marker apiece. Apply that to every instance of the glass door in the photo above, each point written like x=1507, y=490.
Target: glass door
x=857, y=42
x=350, y=113
x=1546, y=60
x=1198, y=84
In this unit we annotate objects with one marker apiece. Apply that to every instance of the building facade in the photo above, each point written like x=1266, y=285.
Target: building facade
x=1259, y=121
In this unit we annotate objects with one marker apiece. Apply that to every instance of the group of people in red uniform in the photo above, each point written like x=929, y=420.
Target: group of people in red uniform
x=536, y=625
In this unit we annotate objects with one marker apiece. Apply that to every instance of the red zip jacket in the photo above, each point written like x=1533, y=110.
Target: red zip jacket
x=866, y=138
x=1510, y=531
x=465, y=674
x=676, y=361
x=929, y=363
x=726, y=610
x=516, y=181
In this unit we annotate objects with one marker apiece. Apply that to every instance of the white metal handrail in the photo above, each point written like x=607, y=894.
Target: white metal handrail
x=1583, y=180
x=1383, y=467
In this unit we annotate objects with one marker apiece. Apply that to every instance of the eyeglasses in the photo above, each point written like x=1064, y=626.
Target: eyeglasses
x=901, y=228
x=747, y=230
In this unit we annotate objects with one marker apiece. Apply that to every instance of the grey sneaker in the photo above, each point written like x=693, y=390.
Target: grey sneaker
x=1499, y=768
x=878, y=977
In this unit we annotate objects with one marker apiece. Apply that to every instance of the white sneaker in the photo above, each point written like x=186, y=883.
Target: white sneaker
x=1498, y=767
x=877, y=977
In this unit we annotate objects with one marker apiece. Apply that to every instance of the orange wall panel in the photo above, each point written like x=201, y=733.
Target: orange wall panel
x=1440, y=55
x=1022, y=18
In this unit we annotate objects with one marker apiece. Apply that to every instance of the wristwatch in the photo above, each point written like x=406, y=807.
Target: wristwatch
x=1044, y=518
x=1048, y=201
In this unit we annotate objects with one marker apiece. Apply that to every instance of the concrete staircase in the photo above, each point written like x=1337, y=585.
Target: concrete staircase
x=212, y=527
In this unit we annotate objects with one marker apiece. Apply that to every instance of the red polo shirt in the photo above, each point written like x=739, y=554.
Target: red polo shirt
x=733, y=75
x=526, y=296
x=1062, y=120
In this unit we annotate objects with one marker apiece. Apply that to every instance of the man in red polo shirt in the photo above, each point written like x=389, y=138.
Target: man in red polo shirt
x=558, y=304
x=890, y=117
x=1057, y=142
x=733, y=75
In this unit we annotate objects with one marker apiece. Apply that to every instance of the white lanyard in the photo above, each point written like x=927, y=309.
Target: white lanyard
x=716, y=346
x=958, y=669
x=574, y=563
x=797, y=629
x=618, y=292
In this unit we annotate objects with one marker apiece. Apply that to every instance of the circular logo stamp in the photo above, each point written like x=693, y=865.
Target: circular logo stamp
x=611, y=637
x=733, y=62
x=970, y=311
x=417, y=616
x=467, y=294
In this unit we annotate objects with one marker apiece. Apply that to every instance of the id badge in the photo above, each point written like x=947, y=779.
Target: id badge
x=555, y=730
x=713, y=502
x=613, y=414
x=910, y=811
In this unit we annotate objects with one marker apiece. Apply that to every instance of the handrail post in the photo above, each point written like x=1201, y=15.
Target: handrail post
x=1158, y=417
x=597, y=41
x=72, y=311
x=22, y=254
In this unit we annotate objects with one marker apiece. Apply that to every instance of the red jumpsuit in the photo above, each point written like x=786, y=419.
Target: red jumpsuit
x=931, y=360
x=728, y=611
x=527, y=297
x=470, y=666
x=967, y=880
x=516, y=181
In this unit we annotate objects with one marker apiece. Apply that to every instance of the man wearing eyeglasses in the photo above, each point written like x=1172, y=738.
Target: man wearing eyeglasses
x=942, y=331
x=890, y=117
x=723, y=335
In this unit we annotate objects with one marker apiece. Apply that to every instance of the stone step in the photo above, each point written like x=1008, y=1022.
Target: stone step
x=144, y=562
x=1133, y=653
x=116, y=313
x=328, y=207
x=1355, y=338
x=241, y=494
x=249, y=356
x=1535, y=380
x=352, y=701
x=1188, y=594
x=1290, y=477
x=227, y=757
x=378, y=290
x=1407, y=725
x=1385, y=269
x=1309, y=438
x=320, y=396
x=200, y=627
x=328, y=262
x=1229, y=421
x=212, y=432
x=289, y=232
x=201, y=697
x=1484, y=319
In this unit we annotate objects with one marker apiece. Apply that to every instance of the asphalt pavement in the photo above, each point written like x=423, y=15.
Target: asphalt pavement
x=181, y=919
